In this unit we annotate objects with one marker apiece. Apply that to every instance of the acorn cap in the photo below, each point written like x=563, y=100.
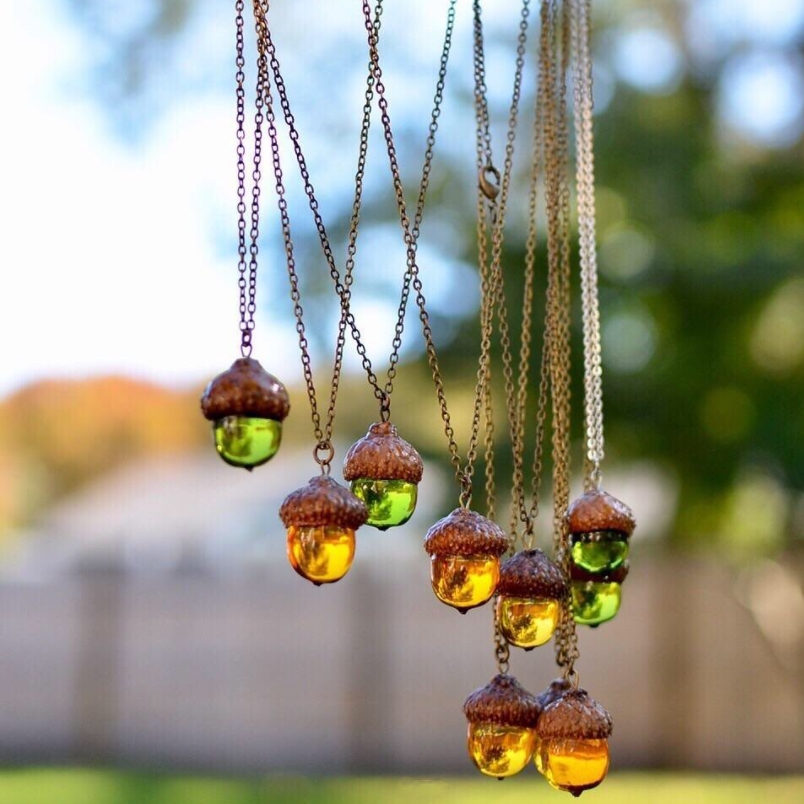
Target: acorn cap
x=574, y=716
x=323, y=502
x=503, y=701
x=614, y=576
x=382, y=455
x=558, y=687
x=245, y=389
x=466, y=534
x=597, y=510
x=531, y=574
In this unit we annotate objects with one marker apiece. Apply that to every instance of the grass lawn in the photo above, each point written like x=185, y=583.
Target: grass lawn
x=79, y=786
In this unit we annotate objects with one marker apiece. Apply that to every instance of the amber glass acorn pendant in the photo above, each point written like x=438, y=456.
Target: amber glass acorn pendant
x=246, y=406
x=502, y=726
x=529, y=595
x=573, y=750
x=384, y=471
x=321, y=519
x=600, y=527
x=465, y=549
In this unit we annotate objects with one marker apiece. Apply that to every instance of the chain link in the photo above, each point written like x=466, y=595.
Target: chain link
x=342, y=288
x=323, y=452
x=247, y=282
x=585, y=180
x=556, y=139
x=424, y=184
x=463, y=474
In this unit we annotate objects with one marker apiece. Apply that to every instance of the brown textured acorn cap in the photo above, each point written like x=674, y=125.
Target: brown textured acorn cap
x=382, y=455
x=557, y=688
x=503, y=701
x=576, y=715
x=531, y=574
x=467, y=534
x=245, y=389
x=615, y=576
x=323, y=502
x=597, y=510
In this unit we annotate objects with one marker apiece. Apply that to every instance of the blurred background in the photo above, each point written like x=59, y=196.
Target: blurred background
x=154, y=643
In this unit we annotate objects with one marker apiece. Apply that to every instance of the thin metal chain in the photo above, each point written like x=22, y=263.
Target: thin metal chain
x=558, y=241
x=247, y=280
x=491, y=210
x=502, y=652
x=341, y=288
x=497, y=280
x=463, y=473
x=420, y=202
x=529, y=516
x=324, y=451
x=585, y=180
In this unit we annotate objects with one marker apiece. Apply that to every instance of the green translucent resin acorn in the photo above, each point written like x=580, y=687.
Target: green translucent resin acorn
x=600, y=527
x=529, y=595
x=321, y=519
x=384, y=471
x=502, y=726
x=465, y=549
x=572, y=750
x=246, y=406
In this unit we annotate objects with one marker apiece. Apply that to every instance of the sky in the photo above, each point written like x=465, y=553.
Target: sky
x=112, y=253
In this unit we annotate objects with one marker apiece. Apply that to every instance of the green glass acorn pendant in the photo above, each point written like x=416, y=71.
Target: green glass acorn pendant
x=384, y=471
x=246, y=406
x=600, y=527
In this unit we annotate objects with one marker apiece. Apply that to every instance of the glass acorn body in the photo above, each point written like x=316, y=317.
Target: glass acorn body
x=573, y=730
x=384, y=471
x=502, y=720
x=246, y=406
x=529, y=595
x=600, y=527
x=465, y=549
x=321, y=519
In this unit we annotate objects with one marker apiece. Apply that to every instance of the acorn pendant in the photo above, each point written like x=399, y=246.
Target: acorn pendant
x=529, y=595
x=246, y=406
x=384, y=471
x=599, y=530
x=502, y=726
x=321, y=519
x=573, y=750
x=465, y=549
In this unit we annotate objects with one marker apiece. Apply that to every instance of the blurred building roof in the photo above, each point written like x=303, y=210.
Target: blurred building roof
x=189, y=512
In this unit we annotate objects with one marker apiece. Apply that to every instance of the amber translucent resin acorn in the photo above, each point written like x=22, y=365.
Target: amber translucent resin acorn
x=600, y=527
x=465, y=549
x=502, y=726
x=573, y=751
x=246, y=406
x=384, y=471
x=529, y=595
x=321, y=519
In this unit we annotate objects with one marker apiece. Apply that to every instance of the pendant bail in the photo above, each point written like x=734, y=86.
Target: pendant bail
x=323, y=453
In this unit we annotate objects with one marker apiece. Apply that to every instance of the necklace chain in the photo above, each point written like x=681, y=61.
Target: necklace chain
x=247, y=270
x=323, y=451
x=585, y=180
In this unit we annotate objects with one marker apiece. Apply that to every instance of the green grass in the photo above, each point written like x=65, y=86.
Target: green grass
x=77, y=786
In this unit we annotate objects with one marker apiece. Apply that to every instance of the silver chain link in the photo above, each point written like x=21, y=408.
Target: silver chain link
x=580, y=13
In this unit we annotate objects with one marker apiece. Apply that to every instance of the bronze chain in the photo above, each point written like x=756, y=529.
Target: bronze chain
x=247, y=279
x=324, y=450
